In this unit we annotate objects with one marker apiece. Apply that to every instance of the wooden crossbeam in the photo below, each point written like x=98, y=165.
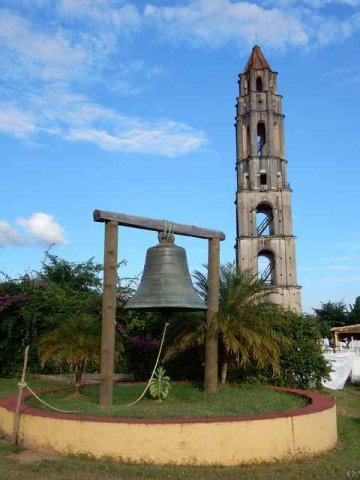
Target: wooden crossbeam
x=155, y=225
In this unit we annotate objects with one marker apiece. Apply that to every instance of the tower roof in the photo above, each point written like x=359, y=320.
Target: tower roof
x=256, y=61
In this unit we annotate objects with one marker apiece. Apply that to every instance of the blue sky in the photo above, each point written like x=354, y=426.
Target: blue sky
x=129, y=107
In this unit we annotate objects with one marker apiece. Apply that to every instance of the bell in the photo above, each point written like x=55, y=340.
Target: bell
x=166, y=281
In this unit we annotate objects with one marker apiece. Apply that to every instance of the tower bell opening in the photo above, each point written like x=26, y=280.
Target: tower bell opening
x=259, y=85
x=266, y=267
x=264, y=220
x=261, y=138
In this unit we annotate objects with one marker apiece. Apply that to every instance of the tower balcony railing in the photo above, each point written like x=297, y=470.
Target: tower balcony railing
x=266, y=277
x=264, y=224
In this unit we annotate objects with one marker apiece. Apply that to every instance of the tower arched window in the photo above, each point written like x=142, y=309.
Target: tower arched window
x=264, y=220
x=259, y=84
x=266, y=267
x=261, y=138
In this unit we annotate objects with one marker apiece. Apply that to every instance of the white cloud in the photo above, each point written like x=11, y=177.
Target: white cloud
x=324, y=3
x=102, y=11
x=60, y=112
x=276, y=24
x=31, y=3
x=331, y=268
x=15, y=121
x=342, y=71
x=341, y=268
x=214, y=23
x=8, y=235
x=42, y=65
x=43, y=228
x=166, y=138
x=344, y=77
x=344, y=258
x=342, y=279
x=325, y=30
x=314, y=4
x=39, y=54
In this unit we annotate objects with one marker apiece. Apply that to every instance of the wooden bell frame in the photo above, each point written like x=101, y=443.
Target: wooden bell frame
x=112, y=221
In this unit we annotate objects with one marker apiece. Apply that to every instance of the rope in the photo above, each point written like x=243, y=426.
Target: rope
x=153, y=372
x=25, y=385
x=169, y=226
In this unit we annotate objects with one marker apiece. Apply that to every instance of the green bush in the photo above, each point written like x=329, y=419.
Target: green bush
x=302, y=363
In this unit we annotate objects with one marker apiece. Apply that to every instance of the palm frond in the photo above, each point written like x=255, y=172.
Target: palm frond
x=247, y=324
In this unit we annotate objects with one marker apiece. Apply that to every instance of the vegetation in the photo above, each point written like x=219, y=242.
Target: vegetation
x=248, y=326
x=64, y=293
x=9, y=386
x=257, y=341
x=38, y=303
x=55, y=303
x=160, y=385
x=354, y=312
x=336, y=314
x=76, y=341
x=302, y=364
x=340, y=463
x=185, y=401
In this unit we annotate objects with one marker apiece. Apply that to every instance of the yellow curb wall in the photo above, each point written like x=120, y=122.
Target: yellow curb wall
x=221, y=443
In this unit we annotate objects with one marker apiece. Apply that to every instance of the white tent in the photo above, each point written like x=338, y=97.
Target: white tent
x=344, y=365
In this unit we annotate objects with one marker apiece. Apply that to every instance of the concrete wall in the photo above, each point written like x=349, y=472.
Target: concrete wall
x=289, y=297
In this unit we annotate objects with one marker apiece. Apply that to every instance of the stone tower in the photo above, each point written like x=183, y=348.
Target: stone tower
x=264, y=238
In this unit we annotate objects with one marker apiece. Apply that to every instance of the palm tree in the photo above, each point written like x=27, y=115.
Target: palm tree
x=247, y=325
x=75, y=340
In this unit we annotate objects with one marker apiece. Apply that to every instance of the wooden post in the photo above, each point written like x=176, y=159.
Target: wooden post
x=108, y=313
x=211, y=341
x=336, y=341
x=16, y=427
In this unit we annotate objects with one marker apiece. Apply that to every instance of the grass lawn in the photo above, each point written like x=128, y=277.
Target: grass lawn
x=184, y=400
x=8, y=386
x=342, y=463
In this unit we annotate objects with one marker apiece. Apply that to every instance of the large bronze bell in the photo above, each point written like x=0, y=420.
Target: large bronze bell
x=166, y=282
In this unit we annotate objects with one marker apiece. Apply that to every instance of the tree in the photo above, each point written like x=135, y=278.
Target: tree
x=16, y=328
x=331, y=314
x=354, y=312
x=37, y=302
x=302, y=362
x=74, y=276
x=247, y=325
x=76, y=341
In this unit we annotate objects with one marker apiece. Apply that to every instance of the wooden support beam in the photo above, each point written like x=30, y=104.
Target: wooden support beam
x=108, y=313
x=211, y=341
x=155, y=225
